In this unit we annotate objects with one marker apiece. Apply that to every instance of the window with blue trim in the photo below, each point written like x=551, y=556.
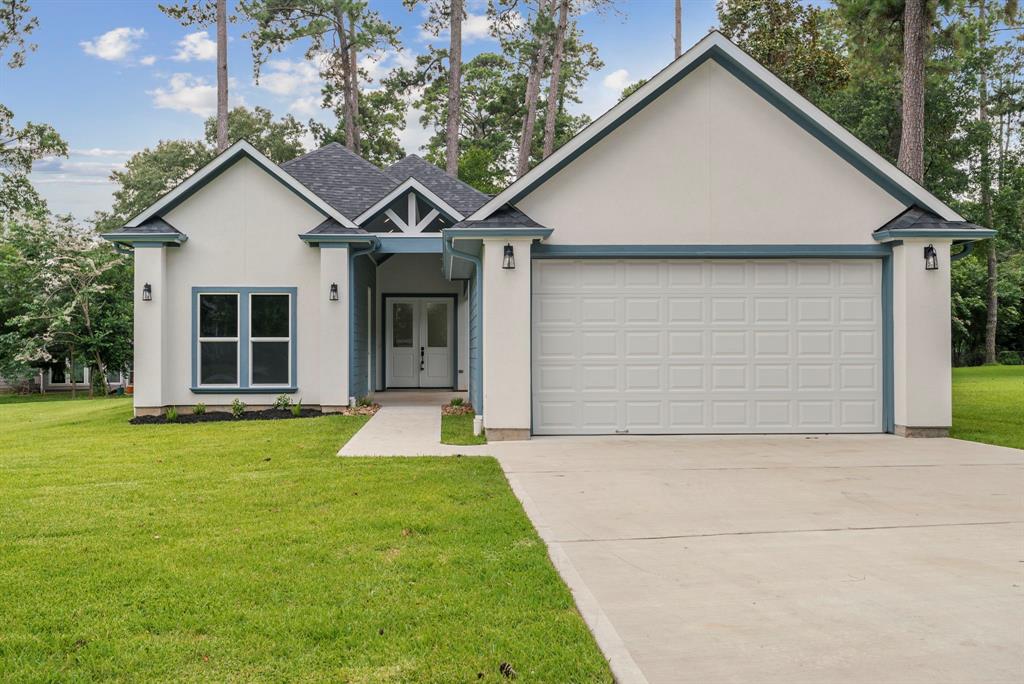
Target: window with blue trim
x=244, y=338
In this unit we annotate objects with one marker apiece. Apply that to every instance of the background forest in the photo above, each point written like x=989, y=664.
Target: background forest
x=935, y=87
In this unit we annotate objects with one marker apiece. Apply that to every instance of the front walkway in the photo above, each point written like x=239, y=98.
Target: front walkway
x=407, y=424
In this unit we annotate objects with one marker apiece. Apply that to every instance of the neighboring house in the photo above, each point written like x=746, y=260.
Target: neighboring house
x=712, y=255
x=57, y=377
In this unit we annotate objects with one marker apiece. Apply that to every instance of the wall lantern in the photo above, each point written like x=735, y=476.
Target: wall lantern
x=508, y=261
x=333, y=294
x=931, y=259
x=147, y=293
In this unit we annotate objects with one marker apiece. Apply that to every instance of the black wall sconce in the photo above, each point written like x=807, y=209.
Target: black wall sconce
x=333, y=294
x=147, y=293
x=931, y=259
x=508, y=260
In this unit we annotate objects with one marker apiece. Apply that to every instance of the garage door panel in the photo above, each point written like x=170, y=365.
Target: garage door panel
x=707, y=346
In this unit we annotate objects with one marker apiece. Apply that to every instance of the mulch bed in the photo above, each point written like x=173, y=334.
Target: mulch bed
x=460, y=410
x=266, y=414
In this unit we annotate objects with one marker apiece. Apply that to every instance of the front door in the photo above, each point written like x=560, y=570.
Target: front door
x=419, y=336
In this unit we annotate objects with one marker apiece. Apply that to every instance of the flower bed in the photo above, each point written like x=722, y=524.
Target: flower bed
x=266, y=414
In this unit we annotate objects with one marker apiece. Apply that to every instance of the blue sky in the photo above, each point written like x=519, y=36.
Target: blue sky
x=116, y=76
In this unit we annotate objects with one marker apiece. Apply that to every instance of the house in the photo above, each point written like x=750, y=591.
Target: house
x=712, y=255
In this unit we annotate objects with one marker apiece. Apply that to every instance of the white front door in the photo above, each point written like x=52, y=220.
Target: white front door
x=419, y=342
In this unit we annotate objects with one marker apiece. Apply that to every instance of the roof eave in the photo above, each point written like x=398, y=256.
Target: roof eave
x=959, y=234
x=126, y=238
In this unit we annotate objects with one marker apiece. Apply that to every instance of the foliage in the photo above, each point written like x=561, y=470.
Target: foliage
x=171, y=414
x=382, y=118
x=283, y=401
x=15, y=25
x=199, y=409
x=296, y=409
x=457, y=401
x=280, y=140
x=19, y=149
x=1010, y=358
x=237, y=408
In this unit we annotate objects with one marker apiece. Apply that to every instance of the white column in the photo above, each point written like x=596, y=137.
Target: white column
x=922, y=358
x=334, y=333
x=506, y=328
x=150, y=329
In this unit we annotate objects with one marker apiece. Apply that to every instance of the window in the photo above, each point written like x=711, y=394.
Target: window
x=61, y=375
x=245, y=338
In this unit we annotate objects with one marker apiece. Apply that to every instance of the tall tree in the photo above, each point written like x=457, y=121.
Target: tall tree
x=280, y=140
x=916, y=28
x=205, y=13
x=454, y=88
x=537, y=49
x=679, y=28
x=338, y=31
x=555, y=86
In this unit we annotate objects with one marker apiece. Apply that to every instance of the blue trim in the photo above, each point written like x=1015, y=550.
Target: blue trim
x=510, y=232
x=146, y=239
x=243, y=339
x=888, y=383
x=938, y=233
x=325, y=240
x=476, y=303
x=547, y=251
x=352, y=362
x=411, y=245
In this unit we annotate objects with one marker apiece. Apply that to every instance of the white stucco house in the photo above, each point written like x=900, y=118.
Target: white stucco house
x=712, y=255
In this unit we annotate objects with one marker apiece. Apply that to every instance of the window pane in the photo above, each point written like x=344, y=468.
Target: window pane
x=57, y=376
x=437, y=324
x=269, y=315
x=401, y=333
x=79, y=372
x=218, y=363
x=218, y=315
x=270, y=363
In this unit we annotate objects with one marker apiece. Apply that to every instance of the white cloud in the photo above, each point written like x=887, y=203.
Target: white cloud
x=148, y=60
x=188, y=93
x=284, y=77
x=115, y=44
x=617, y=80
x=474, y=27
x=196, y=46
x=99, y=152
x=305, y=106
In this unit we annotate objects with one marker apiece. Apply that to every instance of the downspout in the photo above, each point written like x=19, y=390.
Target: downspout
x=478, y=285
x=352, y=256
x=968, y=247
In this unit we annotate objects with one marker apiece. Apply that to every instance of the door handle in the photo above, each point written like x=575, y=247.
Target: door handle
x=422, y=357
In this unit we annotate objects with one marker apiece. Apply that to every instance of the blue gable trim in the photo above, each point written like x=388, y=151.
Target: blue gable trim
x=431, y=244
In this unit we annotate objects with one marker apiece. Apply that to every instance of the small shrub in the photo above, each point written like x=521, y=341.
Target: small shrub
x=1010, y=358
x=283, y=402
x=171, y=415
x=199, y=409
x=237, y=408
x=364, y=401
x=297, y=409
x=457, y=401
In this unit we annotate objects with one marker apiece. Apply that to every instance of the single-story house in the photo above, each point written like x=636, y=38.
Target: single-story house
x=712, y=255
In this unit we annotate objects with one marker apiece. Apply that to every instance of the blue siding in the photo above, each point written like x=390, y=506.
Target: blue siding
x=364, y=275
x=476, y=374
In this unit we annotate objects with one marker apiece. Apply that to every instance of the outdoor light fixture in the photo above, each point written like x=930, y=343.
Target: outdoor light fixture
x=147, y=293
x=333, y=296
x=931, y=259
x=508, y=261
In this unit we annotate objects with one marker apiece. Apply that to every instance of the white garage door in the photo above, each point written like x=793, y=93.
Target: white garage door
x=686, y=346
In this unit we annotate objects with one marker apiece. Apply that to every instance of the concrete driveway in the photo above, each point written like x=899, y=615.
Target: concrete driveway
x=786, y=559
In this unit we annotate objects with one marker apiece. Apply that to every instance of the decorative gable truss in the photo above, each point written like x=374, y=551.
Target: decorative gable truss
x=410, y=208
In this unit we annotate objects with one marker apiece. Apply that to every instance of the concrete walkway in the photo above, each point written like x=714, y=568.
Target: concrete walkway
x=407, y=424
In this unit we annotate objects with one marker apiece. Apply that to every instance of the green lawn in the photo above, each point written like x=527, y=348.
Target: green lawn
x=459, y=430
x=249, y=552
x=988, y=405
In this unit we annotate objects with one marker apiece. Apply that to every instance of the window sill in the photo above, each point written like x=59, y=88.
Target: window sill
x=243, y=390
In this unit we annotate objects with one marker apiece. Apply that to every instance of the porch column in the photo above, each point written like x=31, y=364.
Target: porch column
x=506, y=340
x=149, y=328
x=334, y=332
x=922, y=358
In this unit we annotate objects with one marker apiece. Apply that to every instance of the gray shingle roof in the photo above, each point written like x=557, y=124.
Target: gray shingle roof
x=918, y=218
x=506, y=217
x=341, y=178
x=462, y=197
x=154, y=226
x=332, y=227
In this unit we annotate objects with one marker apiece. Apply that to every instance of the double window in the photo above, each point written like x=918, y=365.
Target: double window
x=245, y=338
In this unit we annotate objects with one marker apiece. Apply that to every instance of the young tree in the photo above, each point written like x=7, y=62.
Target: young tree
x=205, y=13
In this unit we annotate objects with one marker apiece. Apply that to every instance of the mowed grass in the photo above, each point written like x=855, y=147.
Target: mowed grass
x=459, y=430
x=988, y=405
x=249, y=552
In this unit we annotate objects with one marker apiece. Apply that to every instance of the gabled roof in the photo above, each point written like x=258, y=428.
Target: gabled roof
x=918, y=222
x=341, y=177
x=155, y=230
x=218, y=165
x=399, y=190
x=464, y=198
x=506, y=217
x=717, y=47
x=332, y=227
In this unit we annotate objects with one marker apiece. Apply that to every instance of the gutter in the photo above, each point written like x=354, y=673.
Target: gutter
x=968, y=247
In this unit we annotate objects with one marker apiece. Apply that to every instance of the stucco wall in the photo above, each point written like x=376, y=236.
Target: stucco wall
x=710, y=162
x=242, y=229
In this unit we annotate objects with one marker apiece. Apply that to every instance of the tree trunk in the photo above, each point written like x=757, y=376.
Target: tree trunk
x=340, y=64
x=353, y=75
x=679, y=28
x=532, y=89
x=222, y=76
x=992, y=262
x=555, y=87
x=74, y=385
x=454, y=89
x=915, y=35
